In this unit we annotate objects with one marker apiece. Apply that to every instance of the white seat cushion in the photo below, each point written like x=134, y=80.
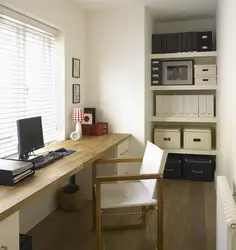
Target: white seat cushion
x=125, y=194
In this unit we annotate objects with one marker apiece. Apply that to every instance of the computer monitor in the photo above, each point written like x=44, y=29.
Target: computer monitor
x=30, y=136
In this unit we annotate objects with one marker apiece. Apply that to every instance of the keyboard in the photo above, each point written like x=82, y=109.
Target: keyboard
x=45, y=160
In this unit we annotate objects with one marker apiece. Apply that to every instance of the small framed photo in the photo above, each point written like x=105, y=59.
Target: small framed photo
x=75, y=68
x=178, y=72
x=76, y=93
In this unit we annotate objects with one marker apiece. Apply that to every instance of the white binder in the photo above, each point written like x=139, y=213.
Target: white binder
x=174, y=105
x=210, y=105
x=159, y=105
x=187, y=105
x=180, y=105
x=166, y=105
x=202, y=105
x=194, y=105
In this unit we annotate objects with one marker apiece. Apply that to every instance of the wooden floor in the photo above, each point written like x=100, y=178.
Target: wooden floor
x=189, y=224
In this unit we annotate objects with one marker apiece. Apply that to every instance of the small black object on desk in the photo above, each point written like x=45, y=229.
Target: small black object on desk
x=61, y=150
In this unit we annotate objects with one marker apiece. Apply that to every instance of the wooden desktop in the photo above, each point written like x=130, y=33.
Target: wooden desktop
x=88, y=150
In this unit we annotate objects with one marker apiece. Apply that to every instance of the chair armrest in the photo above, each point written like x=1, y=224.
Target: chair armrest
x=128, y=177
x=118, y=160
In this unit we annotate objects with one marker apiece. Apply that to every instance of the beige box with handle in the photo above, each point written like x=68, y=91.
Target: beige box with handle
x=167, y=138
x=197, y=138
x=204, y=70
x=205, y=80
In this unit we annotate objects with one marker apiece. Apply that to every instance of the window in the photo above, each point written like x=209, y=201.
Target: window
x=27, y=80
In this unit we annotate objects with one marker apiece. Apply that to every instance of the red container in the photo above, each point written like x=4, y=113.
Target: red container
x=100, y=128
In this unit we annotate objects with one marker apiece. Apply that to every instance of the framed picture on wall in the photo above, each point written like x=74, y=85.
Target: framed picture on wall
x=75, y=68
x=76, y=93
x=179, y=72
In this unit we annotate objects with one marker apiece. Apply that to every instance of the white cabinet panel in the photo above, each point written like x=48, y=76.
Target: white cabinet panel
x=108, y=169
x=123, y=152
x=9, y=232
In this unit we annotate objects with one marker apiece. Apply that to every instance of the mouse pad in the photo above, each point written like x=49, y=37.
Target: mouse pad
x=68, y=152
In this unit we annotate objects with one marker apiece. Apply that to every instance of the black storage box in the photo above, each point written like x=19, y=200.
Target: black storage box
x=199, y=167
x=173, y=168
x=205, y=41
x=156, y=44
x=25, y=242
x=156, y=66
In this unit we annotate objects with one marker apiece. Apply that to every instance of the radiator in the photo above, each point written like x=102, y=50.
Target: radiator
x=226, y=216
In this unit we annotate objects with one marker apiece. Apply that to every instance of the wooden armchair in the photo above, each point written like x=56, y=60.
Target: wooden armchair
x=144, y=191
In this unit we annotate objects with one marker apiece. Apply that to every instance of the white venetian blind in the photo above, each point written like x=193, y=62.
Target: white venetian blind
x=27, y=80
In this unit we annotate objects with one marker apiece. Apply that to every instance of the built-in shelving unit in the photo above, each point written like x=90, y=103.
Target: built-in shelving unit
x=184, y=55
x=201, y=58
x=184, y=119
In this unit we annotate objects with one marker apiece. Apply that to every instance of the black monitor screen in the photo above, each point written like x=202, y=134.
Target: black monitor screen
x=30, y=135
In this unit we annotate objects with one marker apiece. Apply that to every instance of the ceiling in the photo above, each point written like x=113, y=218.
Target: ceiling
x=163, y=10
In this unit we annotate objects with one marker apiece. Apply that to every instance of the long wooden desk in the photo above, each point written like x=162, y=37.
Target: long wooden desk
x=88, y=149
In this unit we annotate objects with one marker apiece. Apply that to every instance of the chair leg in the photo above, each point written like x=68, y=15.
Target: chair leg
x=94, y=174
x=144, y=217
x=160, y=214
x=151, y=232
x=98, y=216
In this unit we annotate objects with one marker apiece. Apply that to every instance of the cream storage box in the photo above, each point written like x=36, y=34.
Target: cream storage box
x=205, y=70
x=205, y=74
x=208, y=80
x=197, y=138
x=167, y=138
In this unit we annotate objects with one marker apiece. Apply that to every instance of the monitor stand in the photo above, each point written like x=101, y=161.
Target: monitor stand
x=27, y=157
x=24, y=157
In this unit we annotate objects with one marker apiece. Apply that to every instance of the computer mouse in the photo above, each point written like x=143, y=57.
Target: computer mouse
x=61, y=150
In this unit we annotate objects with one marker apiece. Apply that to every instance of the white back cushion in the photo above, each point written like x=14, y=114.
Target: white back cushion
x=154, y=158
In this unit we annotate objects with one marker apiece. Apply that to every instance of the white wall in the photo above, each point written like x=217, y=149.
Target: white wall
x=71, y=22
x=185, y=26
x=149, y=30
x=226, y=40
x=116, y=71
x=118, y=74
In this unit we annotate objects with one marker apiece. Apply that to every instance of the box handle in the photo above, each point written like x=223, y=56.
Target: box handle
x=204, y=47
x=179, y=161
x=205, y=162
x=197, y=172
x=169, y=170
x=205, y=69
x=166, y=139
x=196, y=139
x=204, y=37
x=205, y=80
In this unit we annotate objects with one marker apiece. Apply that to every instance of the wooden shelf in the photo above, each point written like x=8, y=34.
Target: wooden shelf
x=184, y=55
x=184, y=87
x=184, y=119
x=191, y=152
